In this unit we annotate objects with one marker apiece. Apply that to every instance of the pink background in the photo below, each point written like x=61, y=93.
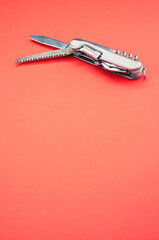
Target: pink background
x=79, y=146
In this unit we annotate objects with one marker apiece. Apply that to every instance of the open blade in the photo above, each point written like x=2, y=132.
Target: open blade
x=49, y=41
x=46, y=55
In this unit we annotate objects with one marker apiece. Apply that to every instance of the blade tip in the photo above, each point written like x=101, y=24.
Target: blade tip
x=19, y=61
x=32, y=36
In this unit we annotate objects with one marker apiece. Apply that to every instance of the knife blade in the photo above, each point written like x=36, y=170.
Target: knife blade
x=46, y=55
x=49, y=41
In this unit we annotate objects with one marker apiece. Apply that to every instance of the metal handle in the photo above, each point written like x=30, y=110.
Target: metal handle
x=106, y=58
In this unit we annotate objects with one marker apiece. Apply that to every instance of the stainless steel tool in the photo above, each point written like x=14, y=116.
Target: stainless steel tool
x=92, y=53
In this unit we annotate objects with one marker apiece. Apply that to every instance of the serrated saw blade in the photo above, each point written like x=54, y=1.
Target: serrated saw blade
x=46, y=55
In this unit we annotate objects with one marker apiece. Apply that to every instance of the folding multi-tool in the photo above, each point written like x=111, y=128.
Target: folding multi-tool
x=92, y=53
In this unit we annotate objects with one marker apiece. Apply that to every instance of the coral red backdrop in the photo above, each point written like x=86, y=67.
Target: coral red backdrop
x=79, y=147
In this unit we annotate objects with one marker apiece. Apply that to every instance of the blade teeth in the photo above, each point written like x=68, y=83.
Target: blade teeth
x=47, y=56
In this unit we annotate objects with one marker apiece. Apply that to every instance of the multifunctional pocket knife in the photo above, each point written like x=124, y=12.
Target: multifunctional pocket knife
x=92, y=53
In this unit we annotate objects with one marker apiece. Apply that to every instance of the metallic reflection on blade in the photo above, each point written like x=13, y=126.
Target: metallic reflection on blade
x=50, y=42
